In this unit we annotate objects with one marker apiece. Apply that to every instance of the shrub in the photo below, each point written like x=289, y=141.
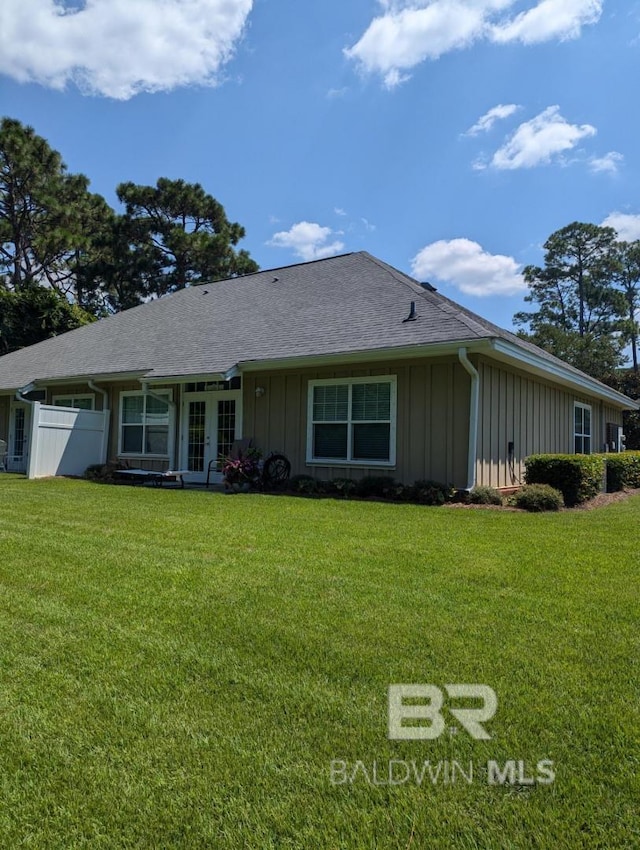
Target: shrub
x=623, y=470
x=306, y=485
x=427, y=492
x=578, y=477
x=376, y=485
x=482, y=495
x=104, y=473
x=344, y=486
x=538, y=497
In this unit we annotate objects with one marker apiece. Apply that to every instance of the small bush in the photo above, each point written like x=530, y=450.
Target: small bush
x=379, y=486
x=305, y=485
x=623, y=470
x=105, y=473
x=427, y=492
x=538, y=497
x=578, y=477
x=482, y=495
x=344, y=486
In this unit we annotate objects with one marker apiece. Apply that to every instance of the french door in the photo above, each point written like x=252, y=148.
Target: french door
x=210, y=423
x=19, y=429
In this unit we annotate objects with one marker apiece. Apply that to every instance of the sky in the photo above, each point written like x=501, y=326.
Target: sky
x=449, y=138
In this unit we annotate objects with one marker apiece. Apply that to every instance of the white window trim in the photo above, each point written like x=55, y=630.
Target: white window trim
x=373, y=379
x=171, y=426
x=588, y=407
x=74, y=396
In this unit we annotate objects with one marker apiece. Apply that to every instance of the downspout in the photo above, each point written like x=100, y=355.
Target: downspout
x=474, y=399
x=106, y=413
x=165, y=399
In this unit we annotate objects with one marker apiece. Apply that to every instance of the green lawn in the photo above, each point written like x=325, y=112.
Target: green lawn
x=180, y=668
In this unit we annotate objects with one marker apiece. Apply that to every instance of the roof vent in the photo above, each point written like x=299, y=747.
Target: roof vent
x=205, y=291
x=275, y=280
x=429, y=286
x=412, y=314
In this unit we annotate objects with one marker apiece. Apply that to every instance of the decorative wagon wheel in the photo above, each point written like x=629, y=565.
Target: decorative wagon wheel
x=276, y=470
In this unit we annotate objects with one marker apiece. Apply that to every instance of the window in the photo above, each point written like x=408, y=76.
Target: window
x=83, y=402
x=352, y=421
x=582, y=428
x=144, y=424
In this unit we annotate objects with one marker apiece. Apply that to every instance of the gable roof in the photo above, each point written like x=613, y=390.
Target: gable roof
x=340, y=306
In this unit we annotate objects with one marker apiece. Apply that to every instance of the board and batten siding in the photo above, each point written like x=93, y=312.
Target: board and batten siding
x=535, y=415
x=432, y=419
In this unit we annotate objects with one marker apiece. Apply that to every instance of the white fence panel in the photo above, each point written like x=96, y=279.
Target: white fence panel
x=65, y=440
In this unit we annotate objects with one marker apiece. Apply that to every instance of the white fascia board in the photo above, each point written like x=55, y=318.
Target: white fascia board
x=370, y=355
x=94, y=376
x=534, y=363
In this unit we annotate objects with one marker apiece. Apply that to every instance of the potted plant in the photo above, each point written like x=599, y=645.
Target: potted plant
x=239, y=474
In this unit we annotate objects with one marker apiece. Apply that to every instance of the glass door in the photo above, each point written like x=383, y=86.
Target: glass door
x=18, y=451
x=210, y=424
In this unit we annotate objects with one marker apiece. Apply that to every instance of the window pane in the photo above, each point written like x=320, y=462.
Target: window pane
x=132, y=407
x=63, y=402
x=132, y=438
x=156, y=440
x=586, y=445
x=83, y=403
x=371, y=401
x=330, y=403
x=157, y=411
x=330, y=441
x=371, y=442
x=587, y=421
x=577, y=420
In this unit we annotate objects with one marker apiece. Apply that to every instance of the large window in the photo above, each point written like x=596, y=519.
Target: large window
x=352, y=421
x=582, y=428
x=83, y=402
x=144, y=424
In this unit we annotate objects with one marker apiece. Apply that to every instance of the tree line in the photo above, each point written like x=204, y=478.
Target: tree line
x=67, y=258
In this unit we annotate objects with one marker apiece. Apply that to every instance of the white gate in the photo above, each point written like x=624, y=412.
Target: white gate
x=66, y=440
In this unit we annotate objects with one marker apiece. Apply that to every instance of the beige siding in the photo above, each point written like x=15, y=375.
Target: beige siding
x=432, y=419
x=535, y=415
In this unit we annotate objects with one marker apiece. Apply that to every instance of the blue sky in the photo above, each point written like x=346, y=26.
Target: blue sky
x=448, y=137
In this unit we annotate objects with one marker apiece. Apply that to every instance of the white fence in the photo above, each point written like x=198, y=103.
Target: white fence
x=65, y=440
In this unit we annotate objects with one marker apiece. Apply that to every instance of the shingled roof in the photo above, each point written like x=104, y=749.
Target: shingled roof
x=340, y=305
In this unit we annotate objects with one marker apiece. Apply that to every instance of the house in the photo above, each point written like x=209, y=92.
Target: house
x=346, y=365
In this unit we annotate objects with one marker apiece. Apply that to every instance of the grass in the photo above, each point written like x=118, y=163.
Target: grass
x=180, y=668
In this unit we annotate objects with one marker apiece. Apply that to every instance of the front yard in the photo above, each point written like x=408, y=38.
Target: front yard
x=181, y=669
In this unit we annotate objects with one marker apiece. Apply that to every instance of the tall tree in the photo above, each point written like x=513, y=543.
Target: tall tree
x=580, y=314
x=34, y=313
x=47, y=216
x=186, y=231
x=628, y=279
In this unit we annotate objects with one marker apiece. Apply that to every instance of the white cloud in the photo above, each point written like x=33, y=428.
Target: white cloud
x=467, y=266
x=626, y=225
x=409, y=32
x=486, y=122
x=549, y=19
x=540, y=140
x=607, y=164
x=308, y=240
x=339, y=211
x=118, y=48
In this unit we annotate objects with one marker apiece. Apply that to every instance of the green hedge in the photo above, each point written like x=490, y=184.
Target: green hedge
x=538, y=497
x=578, y=477
x=623, y=470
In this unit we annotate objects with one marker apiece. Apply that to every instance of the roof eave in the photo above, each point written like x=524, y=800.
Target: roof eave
x=537, y=365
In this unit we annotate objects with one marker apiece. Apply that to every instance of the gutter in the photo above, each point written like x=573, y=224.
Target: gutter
x=474, y=399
